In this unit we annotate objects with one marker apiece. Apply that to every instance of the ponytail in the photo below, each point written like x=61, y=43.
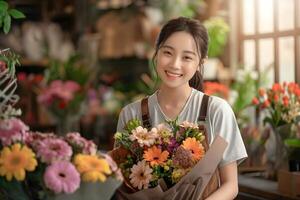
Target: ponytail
x=196, y=81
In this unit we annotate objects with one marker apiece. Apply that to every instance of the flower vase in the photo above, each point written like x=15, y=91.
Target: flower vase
x=277, y=151
x=91, y=191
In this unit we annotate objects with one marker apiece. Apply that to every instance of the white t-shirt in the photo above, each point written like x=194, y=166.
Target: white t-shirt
x=220, y=120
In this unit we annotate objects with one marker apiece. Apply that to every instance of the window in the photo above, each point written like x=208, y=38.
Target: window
x=269, y=34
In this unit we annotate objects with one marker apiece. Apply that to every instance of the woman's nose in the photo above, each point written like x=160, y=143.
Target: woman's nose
x=176, y=62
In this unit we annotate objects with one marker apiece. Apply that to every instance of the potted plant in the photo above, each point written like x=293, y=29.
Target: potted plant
x=218, y=31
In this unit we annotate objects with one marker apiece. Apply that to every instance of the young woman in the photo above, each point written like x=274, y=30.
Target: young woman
x=181, y=49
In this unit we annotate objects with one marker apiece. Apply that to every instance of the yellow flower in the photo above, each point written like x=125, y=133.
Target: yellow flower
x=92, y=168
x=15, y=160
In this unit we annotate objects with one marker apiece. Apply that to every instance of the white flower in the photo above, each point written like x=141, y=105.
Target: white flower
x=141, y=175
x=144, y=137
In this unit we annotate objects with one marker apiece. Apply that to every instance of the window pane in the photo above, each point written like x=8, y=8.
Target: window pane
x=249, y=54
x=286, y=59
x=248, y=17
x=286, y=14
x=266, y=59
x=265, y=13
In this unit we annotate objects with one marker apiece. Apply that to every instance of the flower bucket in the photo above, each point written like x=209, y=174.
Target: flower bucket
x=91, y=191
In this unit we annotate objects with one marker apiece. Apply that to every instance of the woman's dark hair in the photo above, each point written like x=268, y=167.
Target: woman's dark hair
x=200, y=35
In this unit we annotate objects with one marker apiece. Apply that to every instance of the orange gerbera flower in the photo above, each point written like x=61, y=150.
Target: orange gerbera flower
x=195, y=147
x=155, y=156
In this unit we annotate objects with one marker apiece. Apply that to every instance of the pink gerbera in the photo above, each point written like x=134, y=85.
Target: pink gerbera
x=53, y=149
x=61, y=177
x=12, y=130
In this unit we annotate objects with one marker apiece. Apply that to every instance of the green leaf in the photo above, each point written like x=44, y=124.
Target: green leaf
x=16, y=14
x=7, y=23
x=3, y=6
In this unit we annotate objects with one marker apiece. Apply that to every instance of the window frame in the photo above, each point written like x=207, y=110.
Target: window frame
x=275, y=35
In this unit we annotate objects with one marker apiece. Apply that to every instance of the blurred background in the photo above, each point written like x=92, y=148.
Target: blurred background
x=95, y=55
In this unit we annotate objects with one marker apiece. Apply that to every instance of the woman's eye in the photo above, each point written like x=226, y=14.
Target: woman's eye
x=167, y=52
x=187, y=58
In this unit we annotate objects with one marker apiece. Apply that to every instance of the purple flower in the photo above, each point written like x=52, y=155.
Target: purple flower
x=173, y=145
x=53, y=149
x=12, y=130
x=61, y=177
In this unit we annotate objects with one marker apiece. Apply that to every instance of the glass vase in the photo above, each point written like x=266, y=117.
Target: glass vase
x=277, y=154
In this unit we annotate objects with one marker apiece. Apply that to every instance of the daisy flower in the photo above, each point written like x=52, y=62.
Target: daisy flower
x=194, y=147
x=15, y=161
x=92, y=168
x=155, y=156
x=62, y=176
x=12, y=130
x=140, y=175
x=53, y=149
x=143, y=137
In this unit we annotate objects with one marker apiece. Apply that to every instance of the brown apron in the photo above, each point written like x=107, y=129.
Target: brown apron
x=213, y=184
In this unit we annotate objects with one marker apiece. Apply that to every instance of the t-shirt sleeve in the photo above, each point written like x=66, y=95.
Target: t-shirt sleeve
x=225, y=125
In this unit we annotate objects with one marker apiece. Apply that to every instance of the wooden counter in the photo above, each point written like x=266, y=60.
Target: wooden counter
x=251, y=188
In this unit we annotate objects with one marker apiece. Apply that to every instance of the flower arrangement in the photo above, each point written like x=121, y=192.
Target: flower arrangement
x=166, y=152
x=282, y=106
x=46, y=165
x=63, y=92
x=157, y=162
x=282, y=102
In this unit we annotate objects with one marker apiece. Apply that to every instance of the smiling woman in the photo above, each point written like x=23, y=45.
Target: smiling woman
x=180, y=52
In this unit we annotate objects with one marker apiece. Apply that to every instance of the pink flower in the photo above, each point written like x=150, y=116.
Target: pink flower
x=12, y=130
x=64, y=91
x=81, y=144
x=34, y=138
x=61, y=177
x=53, y=149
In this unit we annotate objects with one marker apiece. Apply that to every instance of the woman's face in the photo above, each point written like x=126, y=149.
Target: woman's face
x=177, y=60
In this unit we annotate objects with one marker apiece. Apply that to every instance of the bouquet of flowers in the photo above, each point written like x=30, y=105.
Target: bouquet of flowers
x=64, y=91
x=282, y=103
x=164, y=158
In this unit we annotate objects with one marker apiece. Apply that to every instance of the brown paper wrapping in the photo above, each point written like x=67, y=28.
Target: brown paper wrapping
x=191, y=186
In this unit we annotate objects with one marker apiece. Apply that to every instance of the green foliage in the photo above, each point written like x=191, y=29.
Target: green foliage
x=132, y=124
x=218, y=31
x=10, y=59
x=6, y=14
x=175, y=8
x=71, y=69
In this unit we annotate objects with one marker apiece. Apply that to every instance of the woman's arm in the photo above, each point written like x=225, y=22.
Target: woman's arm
x=229, y=183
